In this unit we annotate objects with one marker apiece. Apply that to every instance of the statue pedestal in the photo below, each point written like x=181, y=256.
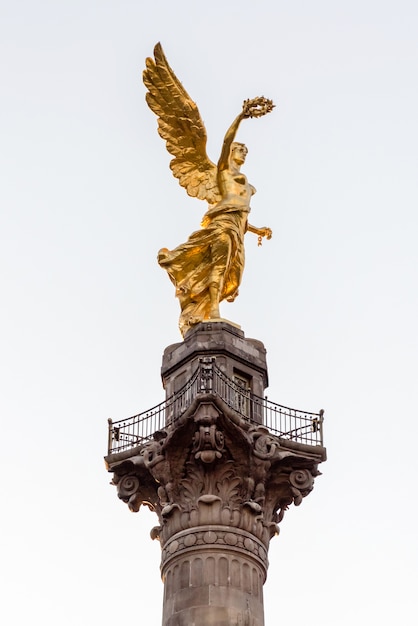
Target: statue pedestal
x=236, y=356
x=219, y=465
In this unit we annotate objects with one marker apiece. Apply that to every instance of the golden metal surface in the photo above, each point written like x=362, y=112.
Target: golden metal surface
x=208, y=267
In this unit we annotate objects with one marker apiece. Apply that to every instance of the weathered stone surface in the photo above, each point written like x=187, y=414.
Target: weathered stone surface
x=233, y=353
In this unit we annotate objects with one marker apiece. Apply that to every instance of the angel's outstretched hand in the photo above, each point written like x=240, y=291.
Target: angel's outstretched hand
x=264, y=232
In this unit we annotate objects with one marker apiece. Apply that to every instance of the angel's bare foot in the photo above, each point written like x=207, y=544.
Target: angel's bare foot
x=232, y=298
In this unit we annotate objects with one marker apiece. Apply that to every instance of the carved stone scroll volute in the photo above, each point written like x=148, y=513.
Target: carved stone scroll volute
x=134, y=493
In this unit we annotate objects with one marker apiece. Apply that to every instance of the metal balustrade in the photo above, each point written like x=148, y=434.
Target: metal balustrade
x=282, y=421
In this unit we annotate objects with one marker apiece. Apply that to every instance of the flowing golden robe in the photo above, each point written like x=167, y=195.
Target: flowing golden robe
x=213, y=255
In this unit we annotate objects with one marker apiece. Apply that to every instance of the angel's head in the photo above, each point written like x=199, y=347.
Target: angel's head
x=238, y=152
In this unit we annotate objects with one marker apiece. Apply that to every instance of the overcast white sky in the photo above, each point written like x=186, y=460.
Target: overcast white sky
x=87, y=199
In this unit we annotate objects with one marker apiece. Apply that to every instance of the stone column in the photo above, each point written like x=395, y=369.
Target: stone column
x=220, y=483
x=213, y=565
x=213, y=575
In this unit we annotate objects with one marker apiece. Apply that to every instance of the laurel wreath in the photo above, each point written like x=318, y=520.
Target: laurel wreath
x=256, y=107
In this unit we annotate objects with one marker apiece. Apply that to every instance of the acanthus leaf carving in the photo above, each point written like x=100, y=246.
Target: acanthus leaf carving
x=193, y=486
x=228, y=487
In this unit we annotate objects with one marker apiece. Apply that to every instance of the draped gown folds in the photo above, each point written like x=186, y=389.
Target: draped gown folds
x=219, y=245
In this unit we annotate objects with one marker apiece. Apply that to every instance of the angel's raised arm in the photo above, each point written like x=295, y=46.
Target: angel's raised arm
x=223, y=162
x=250, y=108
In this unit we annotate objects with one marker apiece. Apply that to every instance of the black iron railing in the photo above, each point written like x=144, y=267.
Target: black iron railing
x=282, y=421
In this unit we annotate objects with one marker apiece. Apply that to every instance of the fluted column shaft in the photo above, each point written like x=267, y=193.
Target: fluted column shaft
x=213, y=575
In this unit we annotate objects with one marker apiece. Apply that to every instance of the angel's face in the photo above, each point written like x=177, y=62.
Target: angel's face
x=238, y=153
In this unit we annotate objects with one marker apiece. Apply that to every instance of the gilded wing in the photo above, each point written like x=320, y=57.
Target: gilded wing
x=180, y=125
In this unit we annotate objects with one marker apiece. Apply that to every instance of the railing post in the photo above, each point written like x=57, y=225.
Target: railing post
x=321, y=419
x=206, y=374
x=109, y=436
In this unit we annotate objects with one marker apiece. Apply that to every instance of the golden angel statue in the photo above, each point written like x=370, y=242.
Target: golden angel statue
x=208, y=267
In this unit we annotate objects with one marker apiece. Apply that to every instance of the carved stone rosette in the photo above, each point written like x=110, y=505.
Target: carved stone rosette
x=219, y=486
